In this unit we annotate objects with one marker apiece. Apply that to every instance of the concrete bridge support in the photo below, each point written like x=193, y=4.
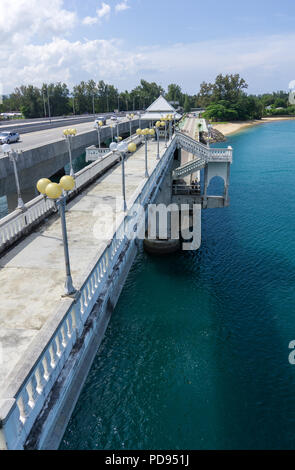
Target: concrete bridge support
x=170, y=223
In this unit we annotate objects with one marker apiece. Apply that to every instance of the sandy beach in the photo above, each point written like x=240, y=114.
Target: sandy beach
x=232, y=127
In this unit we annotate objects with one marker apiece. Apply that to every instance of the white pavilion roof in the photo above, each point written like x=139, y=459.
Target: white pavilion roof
x=158, y=109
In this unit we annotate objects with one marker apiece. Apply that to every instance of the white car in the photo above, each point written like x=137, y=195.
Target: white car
x=9, y=137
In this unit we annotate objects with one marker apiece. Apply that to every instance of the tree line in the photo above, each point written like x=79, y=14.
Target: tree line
x=225, y=99
x=55, y=99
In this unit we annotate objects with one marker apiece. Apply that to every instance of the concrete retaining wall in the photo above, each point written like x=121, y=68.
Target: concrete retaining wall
x=46, y=160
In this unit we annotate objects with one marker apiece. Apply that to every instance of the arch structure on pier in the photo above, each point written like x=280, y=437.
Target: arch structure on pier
x=214, y=161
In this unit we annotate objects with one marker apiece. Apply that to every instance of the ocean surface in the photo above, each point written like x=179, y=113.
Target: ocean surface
x=196, y=352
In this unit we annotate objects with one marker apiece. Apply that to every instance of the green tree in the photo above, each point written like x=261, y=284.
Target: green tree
x=174, y=94
x=187, y=105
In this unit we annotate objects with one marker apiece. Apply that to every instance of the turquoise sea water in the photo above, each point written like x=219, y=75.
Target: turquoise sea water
x=196, y=353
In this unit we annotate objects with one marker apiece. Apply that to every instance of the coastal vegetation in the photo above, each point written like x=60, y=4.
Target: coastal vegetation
x=223, y=100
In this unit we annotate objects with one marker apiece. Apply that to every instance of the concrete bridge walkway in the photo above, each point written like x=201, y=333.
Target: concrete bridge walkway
x=32, y=273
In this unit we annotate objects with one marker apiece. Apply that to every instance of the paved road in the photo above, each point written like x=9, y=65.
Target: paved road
x=36, y=139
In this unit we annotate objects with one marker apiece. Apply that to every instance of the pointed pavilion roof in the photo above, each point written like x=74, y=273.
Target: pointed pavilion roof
x=161, y=104
x=158, y=109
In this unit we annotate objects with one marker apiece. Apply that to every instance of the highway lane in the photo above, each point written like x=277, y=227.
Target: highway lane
x=36, y=139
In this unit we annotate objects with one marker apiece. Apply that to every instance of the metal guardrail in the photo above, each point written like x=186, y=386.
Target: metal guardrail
x=25, y=398
x=20, y=222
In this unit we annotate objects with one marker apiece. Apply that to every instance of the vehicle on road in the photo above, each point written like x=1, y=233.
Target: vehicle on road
x=9, y=137
x=102, y=119
x=113, y=118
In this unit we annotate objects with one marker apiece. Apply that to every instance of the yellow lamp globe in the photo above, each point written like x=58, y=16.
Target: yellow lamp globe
x=67, y=182
x=53, y=190
x=151, y=132
x=42, y=185
x=158, y=123
x=138, y=131
x=100, y=123
x=73, y=131
x=146, y=131
x=132, y=147
x=119, y=138
x=162, y=123
x=66, y=132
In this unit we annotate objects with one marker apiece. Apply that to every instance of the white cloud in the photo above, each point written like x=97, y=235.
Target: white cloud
x=122, y=6
x=88, y=20
x=20, y=20
x=103, y=11
x=265, y=62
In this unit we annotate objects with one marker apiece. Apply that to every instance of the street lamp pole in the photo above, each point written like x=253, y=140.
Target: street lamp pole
x=61, y=204
x=49, y=111
x=55, y=191
x=13, y=156
x=122, y=149
x=145, y=133
x=44, y=104
x=69, y=134
x=93, y=110
x=97, y=125
x=165, y=133
x=158, y=124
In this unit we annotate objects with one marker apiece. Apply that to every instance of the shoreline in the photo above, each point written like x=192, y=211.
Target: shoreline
x=230, y=128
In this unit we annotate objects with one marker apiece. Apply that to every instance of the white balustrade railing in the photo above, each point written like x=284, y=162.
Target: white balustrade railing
x=25, y=397
x=19, y=222
x=196, y=148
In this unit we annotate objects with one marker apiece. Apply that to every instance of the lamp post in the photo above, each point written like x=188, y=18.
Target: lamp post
x=55, y=191
x=170, y=125
x=129, y=117
x=69, y=134
x=98, y=125
x=122, y=148
x=145, y=133
x=13, y=157
x=158, y=125
x=93, y=109
x=112, y=131
x=165, y=123
x=117, y=124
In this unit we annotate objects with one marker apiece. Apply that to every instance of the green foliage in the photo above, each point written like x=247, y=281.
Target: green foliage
x=175, y=94
x=225, y=99
x=187, y=105
x=290, y=110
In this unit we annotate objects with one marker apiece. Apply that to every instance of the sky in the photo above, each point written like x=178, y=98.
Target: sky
x=166, y=41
